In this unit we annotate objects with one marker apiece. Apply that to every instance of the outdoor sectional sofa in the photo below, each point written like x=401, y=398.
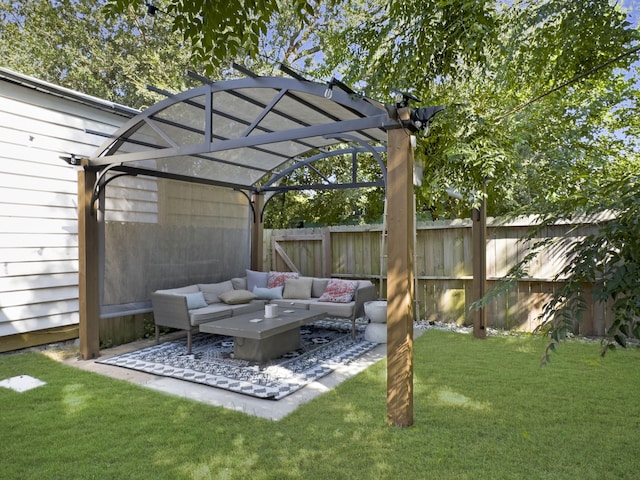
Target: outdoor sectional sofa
x=185, y=308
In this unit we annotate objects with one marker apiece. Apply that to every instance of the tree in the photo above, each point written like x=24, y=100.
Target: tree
x=535, y=114
x=573, y=150
x=75, y=44
x=326, y=206
x=218, y=31
x=481, y=60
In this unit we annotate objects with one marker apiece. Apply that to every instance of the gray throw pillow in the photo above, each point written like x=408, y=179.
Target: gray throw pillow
x=297, y=288
x=195, y=300
x=236, y=297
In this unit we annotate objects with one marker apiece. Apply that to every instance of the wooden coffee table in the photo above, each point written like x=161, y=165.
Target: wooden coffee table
x=261, y=339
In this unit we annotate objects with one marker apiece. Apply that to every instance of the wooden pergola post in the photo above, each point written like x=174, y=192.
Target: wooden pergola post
x=257, y=231
x=479, y=260
x=88, y=265
x=400, y=285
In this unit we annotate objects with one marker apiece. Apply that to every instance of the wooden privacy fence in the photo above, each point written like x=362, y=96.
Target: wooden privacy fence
x=443, y=257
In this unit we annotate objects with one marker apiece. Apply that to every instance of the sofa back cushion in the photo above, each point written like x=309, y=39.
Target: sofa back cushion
x=256, y=279
x=318, y=287
x=339, y=291
x=298, y=288
x=239, y=283
x=211, y=291
x=277, y=279
x=180, y=291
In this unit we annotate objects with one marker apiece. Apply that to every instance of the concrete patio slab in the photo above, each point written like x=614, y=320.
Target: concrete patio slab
x=269, y=409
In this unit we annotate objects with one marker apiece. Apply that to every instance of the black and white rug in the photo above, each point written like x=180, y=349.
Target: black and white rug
x=325, y=345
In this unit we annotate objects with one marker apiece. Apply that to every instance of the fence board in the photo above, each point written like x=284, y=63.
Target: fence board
x=444, y=267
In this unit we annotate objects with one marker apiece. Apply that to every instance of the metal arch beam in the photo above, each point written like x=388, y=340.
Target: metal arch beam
x=268, y=187
x=375, y=151
x=204, y=157
x=289, y=188
x=329, y=129
x=364, y=110
x=345, y=151
x=324, y=186
x=181, y=178
x=250, y=202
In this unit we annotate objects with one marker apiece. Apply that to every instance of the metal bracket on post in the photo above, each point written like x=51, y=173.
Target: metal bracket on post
x=251, y=203
x=419, y=118
x=102, y=181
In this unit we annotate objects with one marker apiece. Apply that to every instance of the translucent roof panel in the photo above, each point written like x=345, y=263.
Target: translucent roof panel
x=222, y=173
x=239, y=131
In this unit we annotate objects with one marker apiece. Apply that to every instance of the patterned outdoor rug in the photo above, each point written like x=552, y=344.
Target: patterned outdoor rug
x=325, y=345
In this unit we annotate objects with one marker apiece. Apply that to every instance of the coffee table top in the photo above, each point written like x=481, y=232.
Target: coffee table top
x=243, y=326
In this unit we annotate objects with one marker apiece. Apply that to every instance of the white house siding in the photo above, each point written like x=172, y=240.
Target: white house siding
x=39, y=123
x=157, y=233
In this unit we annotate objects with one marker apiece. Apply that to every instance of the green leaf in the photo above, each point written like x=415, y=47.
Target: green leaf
x=621, y=340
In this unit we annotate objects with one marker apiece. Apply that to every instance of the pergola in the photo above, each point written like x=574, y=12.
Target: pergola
x=247, y=134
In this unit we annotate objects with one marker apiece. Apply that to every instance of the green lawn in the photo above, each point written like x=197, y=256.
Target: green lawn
x=484, y=409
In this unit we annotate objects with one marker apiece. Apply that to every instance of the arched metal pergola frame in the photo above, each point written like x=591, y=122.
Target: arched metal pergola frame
x=241, y=133
x=247, y=134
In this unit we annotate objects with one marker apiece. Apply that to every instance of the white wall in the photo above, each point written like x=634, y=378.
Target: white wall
x=157, y=233
x=38, y=200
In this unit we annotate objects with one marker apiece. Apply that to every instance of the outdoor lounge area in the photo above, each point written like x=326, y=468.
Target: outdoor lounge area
x=266, y=334
x=228, y=145
x=483, y=409
x=175, y=195
x=319, y=240
x=236, y=399
x=194, y=306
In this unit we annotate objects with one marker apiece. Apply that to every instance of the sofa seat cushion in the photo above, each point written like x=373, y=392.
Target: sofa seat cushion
x=345, y=310
x=210, y=313
x=293, y=303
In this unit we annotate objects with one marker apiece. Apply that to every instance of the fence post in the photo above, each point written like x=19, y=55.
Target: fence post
x=327, y=254
x=479, y=259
